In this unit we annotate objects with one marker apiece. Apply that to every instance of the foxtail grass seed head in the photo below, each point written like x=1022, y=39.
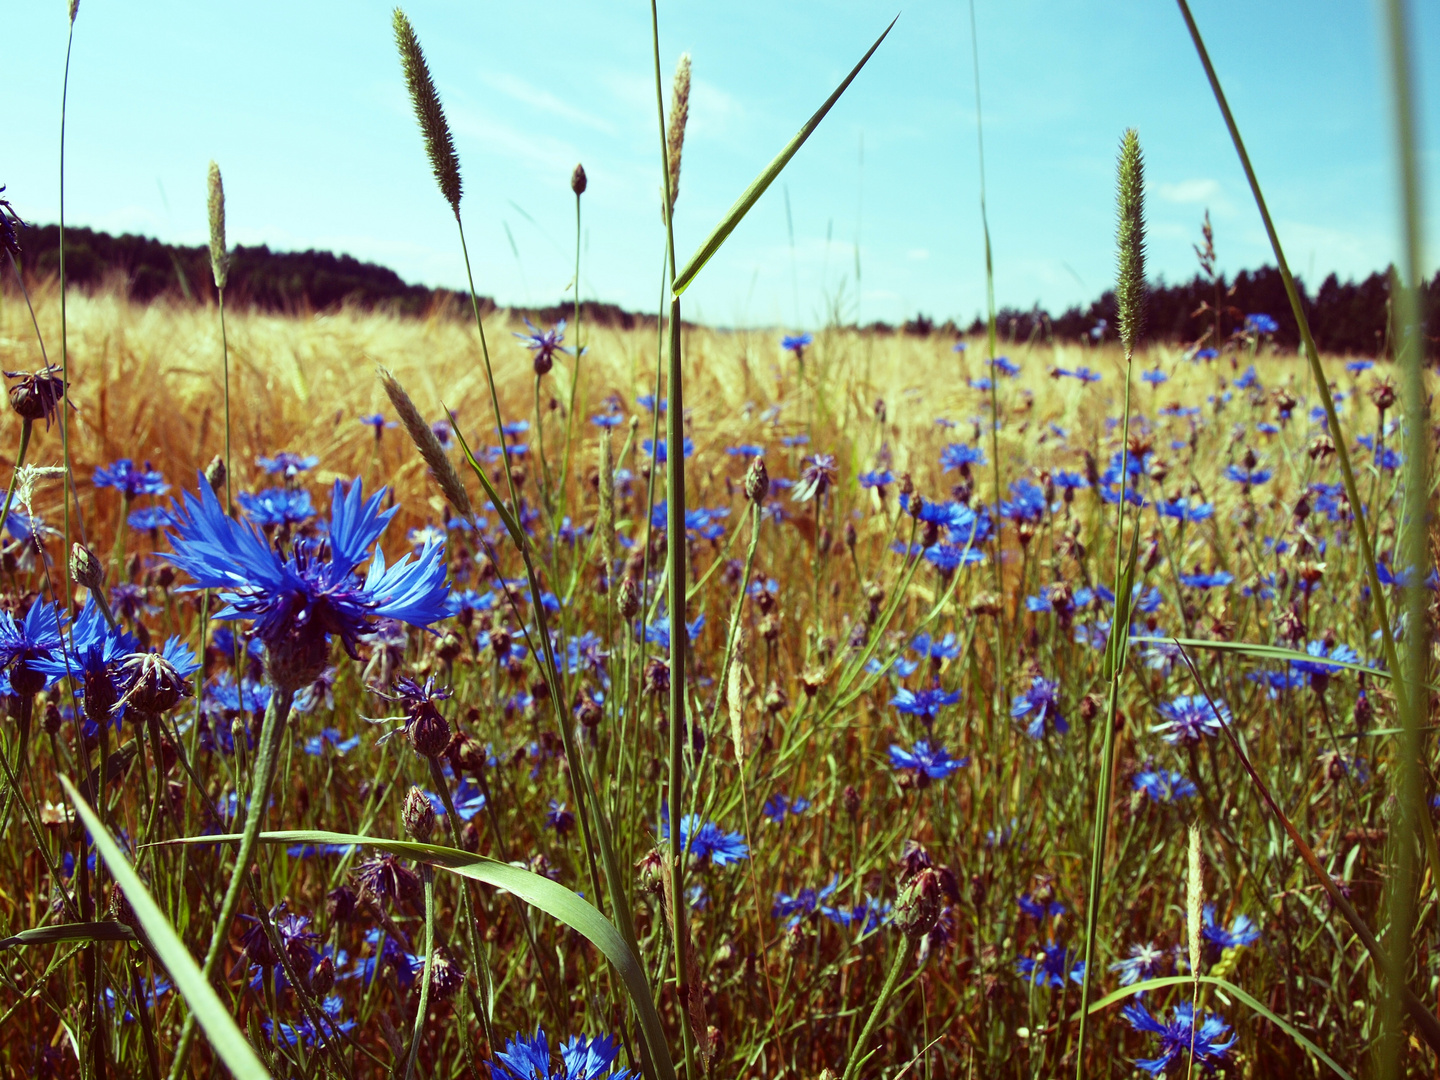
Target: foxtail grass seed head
x=679, y=116
x=606, y=522
x=1130, y=241
x=428, y=444
x=1194, y=900
x=219, y=255
x=74, y=10
x=578, y=182
x=419, y=815
x=735, y=700
x=439, y=146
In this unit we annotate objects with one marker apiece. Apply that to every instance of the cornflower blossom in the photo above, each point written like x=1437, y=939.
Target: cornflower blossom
x=1028, y=503
x=797, y=344
x=868, y=914
x=706, y=840
x=658, y=632
x=1179, y=1037
x=129, y=480
x=779, y=805
x=1359, y=367
x=746, y=450
x=879, y=479
x=277, y=506
x=647, y=402
x=26, y=644
x=1217, y=580
x=607, y=420
x=377, y=422
x=557, y=818
x=1164, y=786
x=923, y=760
x=1190, y=717
x=816, y=478
x=1246, y=478
x=527, y=1057
x=330, y=737
x=1319, y=670
x=1189, y=510
x=149, y=519
x=805, y=902
x=1039, y=707
x=960, y=456
x=1154, y=376
x=287, y=464
x=543, y=345
x=936, y=649
x=1250, y=379
x=1051, y=967
x=300, y=599
x=659, y=450
x=1005, y=366
x=925, y=704
x=1241, y=931
x=1261, y=324
x=1037, y=910
x=1144, y=962
x=304, y=1031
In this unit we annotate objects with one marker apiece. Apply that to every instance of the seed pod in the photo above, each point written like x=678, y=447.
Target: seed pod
x=85, y=568
x=428, y=731
x=757, y=481
x=577, y=180
x=419, y=815
x=628, y=599
x=215, y=473
x=918, y=907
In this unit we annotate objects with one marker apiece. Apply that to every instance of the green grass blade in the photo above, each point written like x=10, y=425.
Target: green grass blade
x=1262, y=652
x=757, y=187
x=219, y=1026
x=75, y=931
x=550, y=897
x=1233, y=991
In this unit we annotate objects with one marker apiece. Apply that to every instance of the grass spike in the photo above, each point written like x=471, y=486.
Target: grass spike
x=439, y=146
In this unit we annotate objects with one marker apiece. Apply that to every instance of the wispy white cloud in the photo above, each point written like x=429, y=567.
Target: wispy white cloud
x=543, y=101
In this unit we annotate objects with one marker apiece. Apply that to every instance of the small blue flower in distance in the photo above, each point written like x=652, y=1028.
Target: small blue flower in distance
x=779, y=805
x=1005, y=366
x=1051, y=968
x=1205, y=354
x=558, y=818
x=1246, y=477
x=287, y=464
x=1190, y=717
x=128, y=479
x=959, y=347
x=1358, y=367
x=788, y=441
x=298, y=601
x=1155, y=376
x=706, y=840
x=1144, y=962
x=1267, y=428
x=1178, y=1036
x=376, y=421
x=946, y=648
x=276, y=506
x=794, y=908
x=980, y=384
x=1028, y=503
x=865, y=917
x=1261, y=324
x=607, y=420
x=315, y=745
x=647, y=402
x=1249, y=379
x=149, y=519
x=746, y=450
x=1037, y=910
x=796, y=343
x=936, y=763
x=1240, y=932
x=1218, y=580
x=1039, y=707
x=960, y=455
x=1085, y=375
x=925, y=704
x=544, y=344
x=879, y=478
x=1072, y=480
x=1164, y=786
x=1186, y=509
x=658, y=451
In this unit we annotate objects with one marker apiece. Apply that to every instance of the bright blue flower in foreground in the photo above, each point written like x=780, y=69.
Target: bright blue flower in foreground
x=1190, y=717
x=707, y=840
x=1144, y=962
x=1051, y=968
x=1261, y=324
x=1039, y=707
x=796, y=343
x=937, y=764
x=25, y=644
x=1240, y=932
x=95, y=652
x=131, y=481
x=925, y=704
x=780, y=804
x=277, y=506
x=287, y=464
x=961, y=455
x=299, y=600
x=1178, y=1035
x=1163, y=786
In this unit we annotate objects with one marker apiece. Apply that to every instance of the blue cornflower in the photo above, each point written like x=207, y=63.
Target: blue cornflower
x=925, y=704
x=29, y=643
x=746, y=450
x=796, y=343
x=1250, y=379
x=304, y=1031
x=706, y=840
x=124, y=477
x=879, y=479
x=780, y=804
x=805, y=902
x=658, y=632
x=1041, y=704
x=1154, y=377
x=376, y=421
x=946, y=648
x=658, y=450
x=1144, y=962
x=1029, y=502
x=1267, y=428
x=934, y=764
x=1051, y=968
x=1178, y=1036
x=959, y=347
x=1069, y=481
x=1317, y=669
x=980, y=384
x=607, y=420
x=1261, y=324
x=1186, y=509
x=1005, y=366
x=543, y=345
x=315, y=744
x=1085, y=375
x=647, y=401
x=93, y=662
x=961, y=456
x=299, y=600
x=1205, y=354
x=1357, y=367
x=557, y=818
x=1037, y=910
x=868, y=914
x=277, y=506
x=287, y=464
x=1190, y=717
x=1164, y=786
x=149, y=519
x=1218, y=580
x=789, y=441
x=1246, y=477
x=1241, y=931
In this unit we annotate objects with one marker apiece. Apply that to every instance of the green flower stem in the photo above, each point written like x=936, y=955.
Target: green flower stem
x=277, y=713
x=887, y=991
x=428, y=875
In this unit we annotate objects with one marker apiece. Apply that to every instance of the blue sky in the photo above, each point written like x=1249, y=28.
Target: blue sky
x=303, y=106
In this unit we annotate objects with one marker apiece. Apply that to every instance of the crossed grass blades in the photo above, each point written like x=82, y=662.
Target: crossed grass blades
x=862, y=733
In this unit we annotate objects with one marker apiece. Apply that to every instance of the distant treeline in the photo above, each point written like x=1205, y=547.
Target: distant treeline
x=1346, y=317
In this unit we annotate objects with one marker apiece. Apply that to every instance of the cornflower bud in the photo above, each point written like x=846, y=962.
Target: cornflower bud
x=419, y=815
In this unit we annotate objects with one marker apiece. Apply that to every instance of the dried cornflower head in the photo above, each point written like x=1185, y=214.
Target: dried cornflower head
x=578, y=182
x=446, y=977
x=429, y=113
x=1383, y=395
x=757, y=481
x=322, y=977
x=387, y=878
x=1321, y=448
x=340, y=903
x=657, y=677
x=219, y=254
x=418, y=815
x=38, y=394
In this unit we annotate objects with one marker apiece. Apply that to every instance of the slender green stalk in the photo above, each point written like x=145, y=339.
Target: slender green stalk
x=427, y=874
x=1415, y=552
x=887, y=991
x=64, y=324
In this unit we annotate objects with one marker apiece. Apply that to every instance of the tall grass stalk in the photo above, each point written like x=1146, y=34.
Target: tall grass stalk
x=220, y=270
x=1415, y=556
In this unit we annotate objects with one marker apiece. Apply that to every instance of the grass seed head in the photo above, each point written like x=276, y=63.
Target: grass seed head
x=679, y=115
x=428, y=444
x=1194, y=899
x=219, y=255
x=1130, y=241
x=439, y=146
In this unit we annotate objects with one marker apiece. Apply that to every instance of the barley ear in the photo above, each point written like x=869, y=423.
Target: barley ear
x=735, y=699
x=1194, y=900
x=219, y=255
x=428, y=112
x=606, y=522
x=679, y=115
x=1130, y=241
x=428, y=445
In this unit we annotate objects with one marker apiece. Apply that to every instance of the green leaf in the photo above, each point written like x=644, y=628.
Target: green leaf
x=75, y=931
x=219, y=1026
x=550, y=897
x=1264, y=652
x=1235, y=992
x=757, y=187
